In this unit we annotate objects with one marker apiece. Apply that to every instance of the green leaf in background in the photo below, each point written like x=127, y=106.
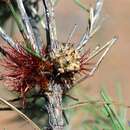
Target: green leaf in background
x=122, y=109
x=115, y=119
x=16, y=17
x=80, y=4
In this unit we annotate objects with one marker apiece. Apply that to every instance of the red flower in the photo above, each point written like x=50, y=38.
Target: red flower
x=24, y=70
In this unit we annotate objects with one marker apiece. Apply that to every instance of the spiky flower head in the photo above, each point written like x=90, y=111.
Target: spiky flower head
x=25, y=70
x=67, y=63
x=67, y=59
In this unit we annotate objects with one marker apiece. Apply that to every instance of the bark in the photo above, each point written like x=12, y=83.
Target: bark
x=54, y=99
x=54, y=107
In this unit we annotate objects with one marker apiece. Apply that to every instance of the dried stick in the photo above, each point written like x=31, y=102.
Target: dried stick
x=51, y=36
x=93, y=27
x=20, y=113
x=94, y=102
x=107, y=46
x=9, y=109
x=7, y=39
x=80, y=104
x=33, y=17
x=71, y=34
x=54, y=107
x=26, y=22
x=103, y=55
x=54, y=99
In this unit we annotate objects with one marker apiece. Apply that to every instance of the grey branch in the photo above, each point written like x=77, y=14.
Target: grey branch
x=110, y=44
x=71, y=34
x=7, y=39
x=105, y=47
x=52, y=43
x=54, y=107
x=36, y=34
x=26, y=22
x=93, y=26
x=33, y=16
x=54, y=99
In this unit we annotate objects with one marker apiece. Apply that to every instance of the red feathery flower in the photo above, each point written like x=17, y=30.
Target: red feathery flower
x=25, y=70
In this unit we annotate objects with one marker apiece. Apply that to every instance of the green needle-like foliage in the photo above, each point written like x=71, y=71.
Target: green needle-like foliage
x=110, y=110
x=103, y=114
